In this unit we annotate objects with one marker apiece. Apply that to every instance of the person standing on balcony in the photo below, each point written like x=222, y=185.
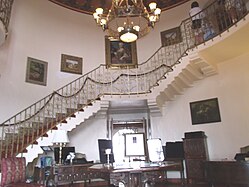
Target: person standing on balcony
x=197, y=15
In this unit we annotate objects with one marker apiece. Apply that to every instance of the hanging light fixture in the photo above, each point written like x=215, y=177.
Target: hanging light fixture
x=127, y=19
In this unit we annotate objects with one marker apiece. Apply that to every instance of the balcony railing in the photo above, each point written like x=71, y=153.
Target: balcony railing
x=33, y=122
x=5, y=12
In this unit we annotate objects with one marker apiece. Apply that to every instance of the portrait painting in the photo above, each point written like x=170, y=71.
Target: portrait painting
x=71, y=64
x=205, y=111
x=120, y=54
x=36, y=72
x=171, y=36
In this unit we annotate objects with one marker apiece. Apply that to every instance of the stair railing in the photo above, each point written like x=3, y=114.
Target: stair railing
x=5, y=12
x=27, y=126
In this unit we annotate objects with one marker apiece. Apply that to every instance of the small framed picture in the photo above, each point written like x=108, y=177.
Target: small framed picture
x=135, y=144
x=171, y=36
x=71, y=64
x=205, y=111
x=120, y=54
x=36, y=72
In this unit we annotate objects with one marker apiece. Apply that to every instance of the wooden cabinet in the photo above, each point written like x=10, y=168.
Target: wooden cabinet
x=227, y=173
x=68, y=174
x=196, y=153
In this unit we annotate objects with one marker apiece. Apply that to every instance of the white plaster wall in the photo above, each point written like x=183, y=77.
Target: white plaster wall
x=85, y=137
x=44, y=30
x=231, y=87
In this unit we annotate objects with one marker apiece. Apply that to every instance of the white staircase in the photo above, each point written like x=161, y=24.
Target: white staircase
x=191, y=68
x=80, y=117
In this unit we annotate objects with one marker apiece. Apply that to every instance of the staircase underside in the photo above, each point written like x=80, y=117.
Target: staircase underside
x=229, y=45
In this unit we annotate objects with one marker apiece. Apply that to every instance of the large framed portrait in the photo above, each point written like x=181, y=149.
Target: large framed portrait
x=171, y=36
x=135, y=144
x=71, y=64
x=36, y=72
x=205, y=111
x=120, y=54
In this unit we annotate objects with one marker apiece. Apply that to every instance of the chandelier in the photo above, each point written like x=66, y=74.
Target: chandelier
x=127, y=19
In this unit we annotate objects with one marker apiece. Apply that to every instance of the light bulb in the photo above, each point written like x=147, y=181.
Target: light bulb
x=137, y=28
x=99, y=11
x=152, y=18
x=95, y=15
x=120, y=29
x=103, y=22
x=157, y=11
x=152, y=6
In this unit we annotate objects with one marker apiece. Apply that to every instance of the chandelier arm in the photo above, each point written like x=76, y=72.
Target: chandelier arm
x=127, y=3
x=120, y=2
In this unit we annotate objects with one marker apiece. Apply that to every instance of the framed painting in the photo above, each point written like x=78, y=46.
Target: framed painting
x=171, y=36
x=71, y=64
x=205, y=111
x=120, y=54
x=135, y=144
x=36, y=72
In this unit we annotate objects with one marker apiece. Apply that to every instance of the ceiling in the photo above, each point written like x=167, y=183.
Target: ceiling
x=89, y=6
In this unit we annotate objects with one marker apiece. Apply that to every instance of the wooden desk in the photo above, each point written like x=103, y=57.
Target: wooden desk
x=133, y=177
x=69, y=174
x=229, y=173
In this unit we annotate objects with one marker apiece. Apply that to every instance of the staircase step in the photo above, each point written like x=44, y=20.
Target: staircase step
x=54, y=128
x=194, y=72
x=167, y=95
x=81, y=110
x=98, y=99
x=45, y=135
x=90, y=104
x=61, y=116
x=182, y=83
x=71, y=111
x=81, y=106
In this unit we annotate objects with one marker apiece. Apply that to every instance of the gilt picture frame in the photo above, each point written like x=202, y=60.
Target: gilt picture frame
x=205, y=111
x=171, y=36
x=71, y=64
x=36, y=71
x=120, y=54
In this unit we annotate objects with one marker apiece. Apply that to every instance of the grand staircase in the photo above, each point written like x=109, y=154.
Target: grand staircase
x=166, y=74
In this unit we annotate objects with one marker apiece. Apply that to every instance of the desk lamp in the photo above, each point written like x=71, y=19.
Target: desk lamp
x=108, y=152
x=60, y=138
